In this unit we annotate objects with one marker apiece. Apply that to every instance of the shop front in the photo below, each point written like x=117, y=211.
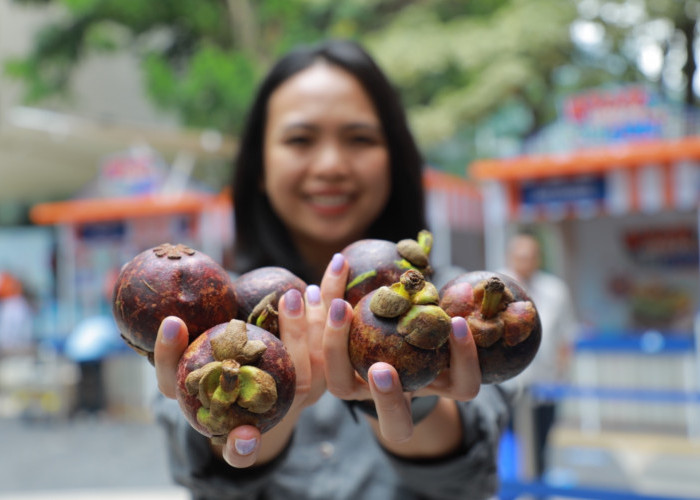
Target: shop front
x=620, y=224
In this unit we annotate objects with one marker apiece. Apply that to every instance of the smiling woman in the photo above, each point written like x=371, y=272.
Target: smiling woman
x=326, y=159
x=333, y=130
x=327, y=166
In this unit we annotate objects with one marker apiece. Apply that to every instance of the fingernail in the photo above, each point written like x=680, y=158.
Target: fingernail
x=459, y=327
x=337, y=263
x=292, y=300
x=337, y=311
x=170, y=330
x=245, y=446
x=382, y=379
x=313, y=294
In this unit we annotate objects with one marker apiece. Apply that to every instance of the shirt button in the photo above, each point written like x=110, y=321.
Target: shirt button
x=327, y=449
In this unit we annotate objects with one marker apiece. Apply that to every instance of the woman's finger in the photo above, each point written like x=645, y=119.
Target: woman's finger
x=316, y=320
x=293, y=334
x=340, y=375
x=392, y=405
x=334, y=279
x=171, y=342
x=242, y=445
x=463, y=380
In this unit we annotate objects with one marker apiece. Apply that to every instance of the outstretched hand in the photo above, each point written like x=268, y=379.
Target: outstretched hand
x=315, y=331
x=302, y=321
x=460, y=382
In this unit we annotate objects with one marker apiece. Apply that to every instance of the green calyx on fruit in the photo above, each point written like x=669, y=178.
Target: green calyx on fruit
x=415, y=253
x=360, y=278
x=231, y=379
x=500, y=316
x=265, y=314
x=414, y=302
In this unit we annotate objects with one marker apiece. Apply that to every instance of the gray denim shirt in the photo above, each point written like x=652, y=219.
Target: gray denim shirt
x=333, y=455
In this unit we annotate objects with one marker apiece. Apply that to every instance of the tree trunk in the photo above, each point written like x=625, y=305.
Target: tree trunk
x=687, y=26
x=245, y=27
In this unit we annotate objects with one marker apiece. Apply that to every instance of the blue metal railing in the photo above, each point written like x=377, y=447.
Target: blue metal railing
x=513, y=489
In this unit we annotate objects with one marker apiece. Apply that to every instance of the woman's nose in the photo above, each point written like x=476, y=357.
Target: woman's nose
x=331, y=159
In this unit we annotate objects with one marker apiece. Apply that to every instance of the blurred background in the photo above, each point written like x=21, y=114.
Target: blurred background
x=574, y=119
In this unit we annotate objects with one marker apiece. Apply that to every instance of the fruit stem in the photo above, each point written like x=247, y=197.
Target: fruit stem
x=412, y=281
x=229, y=375
x=493, y=294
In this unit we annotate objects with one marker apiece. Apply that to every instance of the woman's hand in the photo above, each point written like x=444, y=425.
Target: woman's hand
x=460, y=382
x=302, y=323
x=299, y=324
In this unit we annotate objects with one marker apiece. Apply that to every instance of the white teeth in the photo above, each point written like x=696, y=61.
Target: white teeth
x=329, y=200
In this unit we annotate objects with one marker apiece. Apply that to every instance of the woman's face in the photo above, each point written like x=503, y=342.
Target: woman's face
x=326, y=170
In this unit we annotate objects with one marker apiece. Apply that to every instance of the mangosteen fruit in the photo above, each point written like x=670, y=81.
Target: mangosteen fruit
x=170, y=280
x=402, y=325
x=374, y=263
x=502, y=318
x=258, y=293
x=235, y=374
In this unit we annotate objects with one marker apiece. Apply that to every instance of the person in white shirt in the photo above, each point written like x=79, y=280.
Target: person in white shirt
x=551, y=365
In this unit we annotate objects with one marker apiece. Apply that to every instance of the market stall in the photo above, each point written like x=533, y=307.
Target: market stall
x=135, y=202
x=620, y=223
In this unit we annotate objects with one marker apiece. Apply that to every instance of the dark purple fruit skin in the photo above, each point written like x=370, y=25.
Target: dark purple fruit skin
x=498, y=362
x=149, y=288
x=275, y=360
x=253, y=286
x=374, y=339
x=373, y=254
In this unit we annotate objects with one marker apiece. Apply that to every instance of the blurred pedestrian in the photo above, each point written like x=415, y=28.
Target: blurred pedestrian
x=551, y=365
x=16, y=318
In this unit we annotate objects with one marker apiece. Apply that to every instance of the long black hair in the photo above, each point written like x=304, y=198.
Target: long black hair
x=261, y=237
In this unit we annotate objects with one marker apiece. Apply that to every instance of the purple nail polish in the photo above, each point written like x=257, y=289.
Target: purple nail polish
x=382, y=379
x=313, y=294
x=245, y=446
x=337, y=263
x=337, y=311
x=170, y=329
x=459, y=327
x=292, y=300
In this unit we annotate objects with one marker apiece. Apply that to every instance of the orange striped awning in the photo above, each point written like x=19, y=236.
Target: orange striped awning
x=648, y=176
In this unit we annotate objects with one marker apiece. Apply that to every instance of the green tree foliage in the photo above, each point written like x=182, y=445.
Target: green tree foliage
x=454, y=61
x=651, y=41
x=467, y=69
x=458, y=70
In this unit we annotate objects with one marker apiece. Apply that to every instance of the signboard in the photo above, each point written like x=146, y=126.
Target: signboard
x=620, y=114
x=136, y=171
x=589, y=188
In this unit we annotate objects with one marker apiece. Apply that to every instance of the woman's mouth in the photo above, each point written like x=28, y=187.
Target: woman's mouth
x=329, y=204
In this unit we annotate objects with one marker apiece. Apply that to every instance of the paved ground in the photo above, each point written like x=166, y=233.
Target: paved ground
x=83, y=458
x=108, y=458
x=655, y=464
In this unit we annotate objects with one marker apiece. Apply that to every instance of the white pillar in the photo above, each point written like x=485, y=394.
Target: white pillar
x=495, y=204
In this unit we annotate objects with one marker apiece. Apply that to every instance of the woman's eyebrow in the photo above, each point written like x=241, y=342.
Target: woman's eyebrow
x=375, y=127
x=299, y=125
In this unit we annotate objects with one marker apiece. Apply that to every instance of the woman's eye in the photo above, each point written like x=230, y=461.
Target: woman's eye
x=363, y=140
x=298, y=140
